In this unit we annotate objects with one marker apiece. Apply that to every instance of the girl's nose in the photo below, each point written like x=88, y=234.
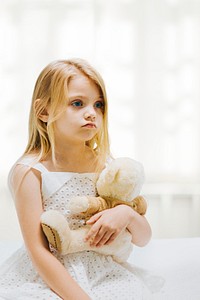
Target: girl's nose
x=90, y=114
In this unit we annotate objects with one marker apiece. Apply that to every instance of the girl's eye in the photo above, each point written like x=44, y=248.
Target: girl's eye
x=77, y=103
x=99, y=104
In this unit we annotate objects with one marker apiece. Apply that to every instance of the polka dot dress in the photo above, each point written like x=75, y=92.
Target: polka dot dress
x=100, y=276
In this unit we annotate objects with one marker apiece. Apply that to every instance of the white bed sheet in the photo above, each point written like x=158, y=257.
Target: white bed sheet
x=175, y=260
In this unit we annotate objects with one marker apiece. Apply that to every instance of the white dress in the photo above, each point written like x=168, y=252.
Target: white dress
x=100, y=276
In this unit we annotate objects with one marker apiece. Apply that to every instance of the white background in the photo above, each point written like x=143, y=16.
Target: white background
x=148, y=52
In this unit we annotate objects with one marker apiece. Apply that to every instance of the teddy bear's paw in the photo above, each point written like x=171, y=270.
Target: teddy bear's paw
x=78, y=204
x=56, y=229
x=52, y=237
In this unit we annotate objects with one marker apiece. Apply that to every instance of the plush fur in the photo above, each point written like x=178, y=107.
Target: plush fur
x=70, y=241
x=119, y=183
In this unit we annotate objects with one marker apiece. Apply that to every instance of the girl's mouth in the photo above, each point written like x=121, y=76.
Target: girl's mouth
x=90, y=125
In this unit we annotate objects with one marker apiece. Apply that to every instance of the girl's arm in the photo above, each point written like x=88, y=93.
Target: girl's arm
x=107, y=224
x=25, y=185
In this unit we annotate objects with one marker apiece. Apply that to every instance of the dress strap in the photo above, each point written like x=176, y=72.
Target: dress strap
x=40, y=167
x=31, y=162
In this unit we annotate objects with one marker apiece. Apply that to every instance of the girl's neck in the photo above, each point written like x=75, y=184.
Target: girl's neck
x=72, y=159
x=70, y=153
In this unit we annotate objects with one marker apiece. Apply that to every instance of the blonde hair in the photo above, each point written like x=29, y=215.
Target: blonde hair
x=51, y=91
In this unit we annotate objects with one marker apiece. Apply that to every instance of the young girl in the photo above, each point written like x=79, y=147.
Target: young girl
x=68, y=145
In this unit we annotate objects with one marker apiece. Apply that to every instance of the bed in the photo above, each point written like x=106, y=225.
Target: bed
x=175, y=260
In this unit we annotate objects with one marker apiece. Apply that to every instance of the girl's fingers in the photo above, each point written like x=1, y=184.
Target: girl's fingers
x=105, y=227
x=101, y=237
x=94, y=218
x=92, y=232
x=105, y=239
x=95, y=226
x=111, y=239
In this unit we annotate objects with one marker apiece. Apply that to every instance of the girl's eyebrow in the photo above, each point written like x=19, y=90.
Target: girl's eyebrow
x=84, y=97
x=77, y=96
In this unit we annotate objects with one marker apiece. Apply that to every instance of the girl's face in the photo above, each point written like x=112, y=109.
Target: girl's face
x=83, y=116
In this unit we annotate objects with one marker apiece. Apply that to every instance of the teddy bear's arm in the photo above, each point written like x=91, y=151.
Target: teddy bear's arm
x=138, y=204
x=96, y=204
x=90, y=205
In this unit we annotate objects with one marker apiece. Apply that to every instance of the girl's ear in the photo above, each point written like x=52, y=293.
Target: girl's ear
x=42, y=112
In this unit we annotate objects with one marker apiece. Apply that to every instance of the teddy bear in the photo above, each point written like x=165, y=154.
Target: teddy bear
x=120, y=182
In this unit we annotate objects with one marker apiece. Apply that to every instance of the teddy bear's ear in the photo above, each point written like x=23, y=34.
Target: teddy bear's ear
x=122, y=178
x=106, y=179
x=109, y=174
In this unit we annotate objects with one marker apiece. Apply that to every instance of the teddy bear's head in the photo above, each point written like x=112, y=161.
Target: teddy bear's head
x=122, y=179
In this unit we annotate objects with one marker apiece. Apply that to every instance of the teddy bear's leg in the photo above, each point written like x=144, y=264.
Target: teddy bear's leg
x=57, y=230
x=66, y=241
x=52, y=236
x=120, y=248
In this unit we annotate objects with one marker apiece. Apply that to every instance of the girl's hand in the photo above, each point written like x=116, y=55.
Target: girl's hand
x=107, y=224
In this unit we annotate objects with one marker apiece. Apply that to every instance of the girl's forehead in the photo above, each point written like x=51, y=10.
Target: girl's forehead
x=79, y=77
x=81, y=83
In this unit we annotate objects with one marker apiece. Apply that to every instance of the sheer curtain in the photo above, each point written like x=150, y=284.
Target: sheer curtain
x=148, y=53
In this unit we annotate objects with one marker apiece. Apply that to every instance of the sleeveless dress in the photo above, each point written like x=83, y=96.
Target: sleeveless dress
x=100, y=276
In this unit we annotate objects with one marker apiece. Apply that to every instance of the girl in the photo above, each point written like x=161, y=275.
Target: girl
x=68, y=144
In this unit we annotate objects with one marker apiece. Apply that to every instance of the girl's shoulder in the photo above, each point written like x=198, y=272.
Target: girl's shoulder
x=19, y=170
x=21, y=167
x=29, y=160
x=24, y=162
